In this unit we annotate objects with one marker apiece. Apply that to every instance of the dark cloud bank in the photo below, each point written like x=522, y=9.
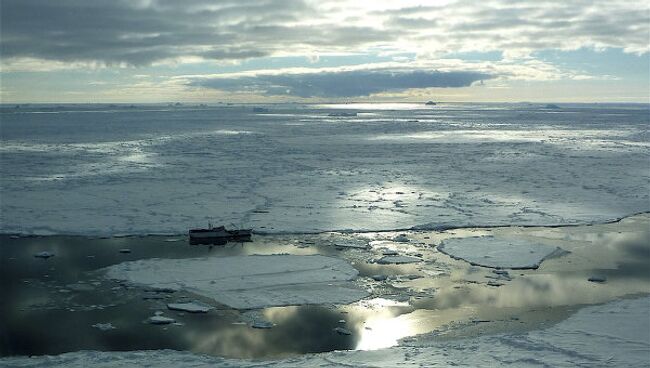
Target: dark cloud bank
x=139, y=32
x=341, y=84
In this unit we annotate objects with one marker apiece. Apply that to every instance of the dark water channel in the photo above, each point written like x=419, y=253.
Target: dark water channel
x=49, y=306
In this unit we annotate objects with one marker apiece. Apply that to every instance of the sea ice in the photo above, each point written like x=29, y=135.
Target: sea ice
x=398, y=260
x=248, y=282
x=351, y=244
x=104, y=326
x=488, y=251
x=401, y=238
x=44, y=254
x=262, y=325
x=390, y=252
x=189, y=307
x=160, y=320
x=299, y=171
x=598, y=278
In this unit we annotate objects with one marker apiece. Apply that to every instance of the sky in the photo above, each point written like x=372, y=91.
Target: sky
x=150, y=51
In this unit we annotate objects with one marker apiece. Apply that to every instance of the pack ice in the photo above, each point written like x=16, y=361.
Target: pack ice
x=488, y=251
x=249, y=282
x=295, y=169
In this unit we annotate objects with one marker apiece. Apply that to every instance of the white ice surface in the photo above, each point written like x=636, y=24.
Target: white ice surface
x=616, y=334
x=398, y=259
x=248, y=282
x=495, y=252
x=295, y=169
x=189, y=307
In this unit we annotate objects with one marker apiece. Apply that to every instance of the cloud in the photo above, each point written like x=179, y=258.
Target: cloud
x=372, y=78
x=353, y=83
x=143, y=32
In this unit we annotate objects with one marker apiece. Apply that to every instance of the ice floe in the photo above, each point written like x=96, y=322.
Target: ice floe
x=488, y=251
x=398, y=260
x=597, y=278
x=246, y=282
x=189, y=307
x=44, y=254
x=160, y=320
x=352, y=245
x=262, y=325
x=104, y=326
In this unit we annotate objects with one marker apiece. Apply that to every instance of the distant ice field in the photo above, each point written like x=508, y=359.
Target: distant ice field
x=91, y=169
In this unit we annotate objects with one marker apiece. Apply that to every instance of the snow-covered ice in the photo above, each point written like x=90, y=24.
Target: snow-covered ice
x=104, y=326
x=489, y=251
x=248, y=282
x=294, y=169
x=262, y=325
x=616, y=334
x=352, y=244
x=189, y=307
x=398, y=260
x=160, y=320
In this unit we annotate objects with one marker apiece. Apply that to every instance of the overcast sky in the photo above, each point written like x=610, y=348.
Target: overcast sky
x=326, y=50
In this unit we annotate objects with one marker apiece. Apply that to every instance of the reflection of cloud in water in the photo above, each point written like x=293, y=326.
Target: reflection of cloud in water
x=381, y=330
x=373, y=106
x=297, y=330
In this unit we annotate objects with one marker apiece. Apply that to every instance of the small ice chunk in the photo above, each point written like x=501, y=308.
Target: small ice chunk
x=161, y=289
x=495, y=283
x=44, y=254
x=500, y=275
x=349, y=244
x=401, y=238
x=160, y=320
x=263, y=325
x=153, y=296
x=104, y=326
x=398, y=260
x=598, y=278
x=125, y=250
x=189, y=307
x=80, y=286
x=410, y=277
x=342, y=331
